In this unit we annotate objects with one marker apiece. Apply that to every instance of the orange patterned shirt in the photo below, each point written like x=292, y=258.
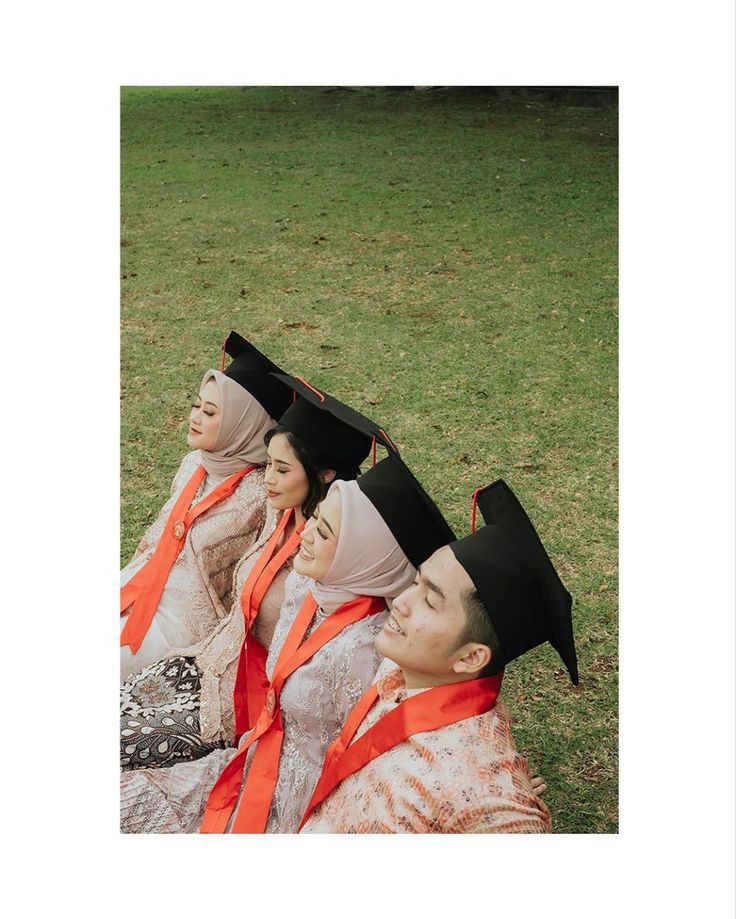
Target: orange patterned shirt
x=462, y=778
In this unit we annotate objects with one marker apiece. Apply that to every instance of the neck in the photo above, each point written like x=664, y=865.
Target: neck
x=427, y=681
x=298, y=517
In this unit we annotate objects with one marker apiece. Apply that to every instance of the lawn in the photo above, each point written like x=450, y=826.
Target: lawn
x=446, y=262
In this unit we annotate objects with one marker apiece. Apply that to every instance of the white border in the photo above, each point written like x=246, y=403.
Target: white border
x=674, y=65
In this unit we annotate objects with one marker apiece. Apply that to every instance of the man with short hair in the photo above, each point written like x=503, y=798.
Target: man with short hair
x=428, y=749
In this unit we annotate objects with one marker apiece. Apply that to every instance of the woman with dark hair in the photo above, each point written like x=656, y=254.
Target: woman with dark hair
x=356, y=554
x=184, y=706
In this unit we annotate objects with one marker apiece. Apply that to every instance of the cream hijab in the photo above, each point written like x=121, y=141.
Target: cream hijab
x=243, y=426
x=368, y=560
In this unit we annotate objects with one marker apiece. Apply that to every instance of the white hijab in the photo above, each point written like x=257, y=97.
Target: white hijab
x=368, y=560
x=243, y=425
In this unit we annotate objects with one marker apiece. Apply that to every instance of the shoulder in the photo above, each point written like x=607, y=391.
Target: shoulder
x=297, y=586
x=485, y=778
x=487, y=736
x=185, y=470
x=251, y=487
x=352, y=655
x=489, y=760
x=254, y=478
x=251, y=554
x=361, y=634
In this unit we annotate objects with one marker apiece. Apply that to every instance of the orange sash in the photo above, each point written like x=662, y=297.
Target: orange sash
x=435, y=708
x=269, y=730
x=251, y=682
x=144, y=589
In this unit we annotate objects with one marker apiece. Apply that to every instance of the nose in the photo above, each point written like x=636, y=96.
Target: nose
x=307, y=532
x=399, y=604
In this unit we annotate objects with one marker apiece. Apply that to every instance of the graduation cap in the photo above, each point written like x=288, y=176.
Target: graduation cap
x=412, y=516
x=253, y=371
x=339, y=432
x=523, y=594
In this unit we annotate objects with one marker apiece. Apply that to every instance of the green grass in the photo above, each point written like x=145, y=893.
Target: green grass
x=446, y=262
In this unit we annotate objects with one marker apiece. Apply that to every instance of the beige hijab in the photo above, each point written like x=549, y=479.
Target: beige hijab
x=243, y=426
x=368, y=560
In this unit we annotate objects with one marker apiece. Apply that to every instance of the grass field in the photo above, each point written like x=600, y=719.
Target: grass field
x=446, y=262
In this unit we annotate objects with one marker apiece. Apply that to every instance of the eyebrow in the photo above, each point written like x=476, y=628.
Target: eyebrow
x=322, y=520
x=430, y=585
x=213, y=404
x=279, y=461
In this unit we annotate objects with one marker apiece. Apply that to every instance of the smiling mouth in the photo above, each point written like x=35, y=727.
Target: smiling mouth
x=393, y=626
x=194, y=431
x=305, y=555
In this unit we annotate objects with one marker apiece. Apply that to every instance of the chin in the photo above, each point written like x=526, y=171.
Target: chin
x=383, y=646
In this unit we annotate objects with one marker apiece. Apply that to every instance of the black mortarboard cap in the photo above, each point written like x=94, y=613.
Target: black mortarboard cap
x=335, y=429
x=412, y=516
x=525, y=598
x=253, y=371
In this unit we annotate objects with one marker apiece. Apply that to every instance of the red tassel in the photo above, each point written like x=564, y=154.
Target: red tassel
x=374, y=449
x=475, y=506
x=389, y=439
x=309, y=386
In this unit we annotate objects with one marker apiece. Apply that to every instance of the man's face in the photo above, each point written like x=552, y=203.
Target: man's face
x=423, y=630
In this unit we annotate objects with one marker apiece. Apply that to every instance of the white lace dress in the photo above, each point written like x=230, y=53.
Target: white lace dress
x=198, y=592
x=315, y=701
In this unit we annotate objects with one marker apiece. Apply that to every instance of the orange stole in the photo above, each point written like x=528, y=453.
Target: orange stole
x=143, y=591
x=251, y=683
x=427, y=711
x=269, y=730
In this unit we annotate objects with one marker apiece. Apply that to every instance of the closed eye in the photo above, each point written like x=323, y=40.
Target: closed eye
x=426, y=595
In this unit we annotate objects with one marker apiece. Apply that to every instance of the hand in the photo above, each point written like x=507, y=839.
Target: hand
x=539, y=786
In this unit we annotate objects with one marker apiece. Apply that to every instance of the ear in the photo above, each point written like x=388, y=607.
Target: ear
x=327, y=475
x=472, y=659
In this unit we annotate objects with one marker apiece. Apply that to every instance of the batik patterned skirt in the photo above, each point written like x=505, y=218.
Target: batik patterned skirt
x=159, y=716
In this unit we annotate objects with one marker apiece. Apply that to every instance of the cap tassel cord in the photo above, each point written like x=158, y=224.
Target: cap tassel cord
x=374, y=449
x=389, y=439
x=309, y=386
x=474, y=509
